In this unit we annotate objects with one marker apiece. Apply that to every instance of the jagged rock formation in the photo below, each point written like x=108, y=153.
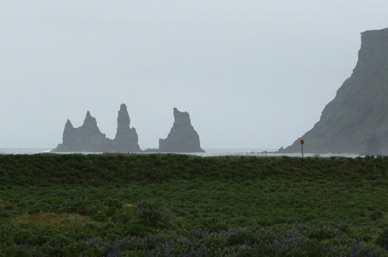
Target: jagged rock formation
x=88, y=137
x=356, y=120
x=126, y=139
x=182, y=137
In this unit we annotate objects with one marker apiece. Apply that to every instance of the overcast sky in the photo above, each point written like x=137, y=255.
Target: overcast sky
x=251, y=73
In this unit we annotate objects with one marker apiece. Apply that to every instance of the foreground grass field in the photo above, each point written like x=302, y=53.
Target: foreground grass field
x=177, y=205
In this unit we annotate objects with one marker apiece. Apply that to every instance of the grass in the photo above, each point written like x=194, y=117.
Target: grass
x=63, y=221
x=177, y=205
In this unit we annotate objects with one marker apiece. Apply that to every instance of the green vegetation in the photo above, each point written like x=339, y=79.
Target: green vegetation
x=179, y=205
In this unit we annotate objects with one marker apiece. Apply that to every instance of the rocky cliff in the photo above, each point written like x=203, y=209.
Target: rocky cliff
x=356, y=120
x=182, y=137
x=88, y=137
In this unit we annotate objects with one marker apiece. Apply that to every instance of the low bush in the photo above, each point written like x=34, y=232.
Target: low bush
x=382, y=239
x=152, y=215
x=176, y=205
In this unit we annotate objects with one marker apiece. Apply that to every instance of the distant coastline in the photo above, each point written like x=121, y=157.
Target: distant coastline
x=210, y=152
x=24, y=150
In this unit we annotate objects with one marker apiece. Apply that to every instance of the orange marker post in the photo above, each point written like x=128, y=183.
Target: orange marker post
x=301, y=145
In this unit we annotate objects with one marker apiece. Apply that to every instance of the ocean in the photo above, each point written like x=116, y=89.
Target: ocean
x=24, y=150
x=208, y=153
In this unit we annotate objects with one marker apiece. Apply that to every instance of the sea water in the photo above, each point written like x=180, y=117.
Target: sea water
x=24, y=150
x=208, y=152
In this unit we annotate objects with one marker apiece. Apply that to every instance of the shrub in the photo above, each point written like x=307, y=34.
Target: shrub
x=152, y=215
x=34, y=235
x=322, y=233
x=242, y=237
x=376, y=215
x=138, y=230
x=382, y=239
x=215, y=242
x=133, y=254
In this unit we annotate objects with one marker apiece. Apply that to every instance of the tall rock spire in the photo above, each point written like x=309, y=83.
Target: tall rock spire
x=68, y=131
x=360, y=107
x=182, y=137
x=123, y=120
x=126, y=139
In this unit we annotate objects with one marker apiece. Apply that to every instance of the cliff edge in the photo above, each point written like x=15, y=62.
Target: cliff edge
x=356, y=120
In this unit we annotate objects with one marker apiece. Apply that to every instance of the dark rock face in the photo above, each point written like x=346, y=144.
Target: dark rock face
x=356, y=120
x=88, y=137
x=126, y=139
x=373, y=146
x=182, y=137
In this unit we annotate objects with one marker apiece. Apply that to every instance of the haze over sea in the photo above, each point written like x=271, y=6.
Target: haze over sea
x=208, y=153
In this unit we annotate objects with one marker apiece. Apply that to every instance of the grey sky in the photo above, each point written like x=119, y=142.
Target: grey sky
x=252, y=74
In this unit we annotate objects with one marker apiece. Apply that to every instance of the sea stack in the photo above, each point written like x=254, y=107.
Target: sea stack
x=86, y=138
x=356, y=120
x=182, y=137
x=126, y=139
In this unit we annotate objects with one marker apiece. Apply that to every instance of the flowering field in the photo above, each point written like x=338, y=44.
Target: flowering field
x=177, y=205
